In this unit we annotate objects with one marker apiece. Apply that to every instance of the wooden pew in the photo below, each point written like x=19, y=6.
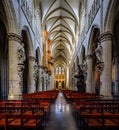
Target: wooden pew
x=99, y=116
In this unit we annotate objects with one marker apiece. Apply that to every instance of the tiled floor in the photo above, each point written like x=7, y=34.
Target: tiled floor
x=61, y=117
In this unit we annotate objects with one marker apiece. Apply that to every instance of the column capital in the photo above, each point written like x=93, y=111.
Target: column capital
x=105, y=36
x=14, y=37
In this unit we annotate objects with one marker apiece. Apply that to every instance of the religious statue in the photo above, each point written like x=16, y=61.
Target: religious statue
x=21, y=54
x=22, y=58
x=80, y=80
x=98, y=53
x=100, y=63
x=35, y=71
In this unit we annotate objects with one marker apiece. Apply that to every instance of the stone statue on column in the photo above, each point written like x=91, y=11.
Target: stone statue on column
x=35, y=71
x=21, y=58
x=80, y=80
x=98, y=53
x=21, y=54
x=84, y=68
x=100, y=63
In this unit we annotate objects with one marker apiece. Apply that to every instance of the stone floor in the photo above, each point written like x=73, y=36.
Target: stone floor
x=61, y=117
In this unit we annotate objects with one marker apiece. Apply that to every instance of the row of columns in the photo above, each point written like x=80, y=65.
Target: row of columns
x=16, y=68
x=106, y=74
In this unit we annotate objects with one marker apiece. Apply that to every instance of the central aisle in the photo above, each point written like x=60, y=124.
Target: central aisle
x=61, y=117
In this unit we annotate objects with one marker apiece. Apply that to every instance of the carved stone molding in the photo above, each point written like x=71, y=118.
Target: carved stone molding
x=20, y=69
x=35, y=75
x=100, y=67
x=105, y=36
x=98, y=53
x=84, y=67
x=14, y=37
x=21, y=54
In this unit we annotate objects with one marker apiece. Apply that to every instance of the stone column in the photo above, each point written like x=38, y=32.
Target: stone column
x=39, y=78
x=44, y=81
x=48, y=82
x=106, y=76
x=15, y=83
x=53, y=82
x=47, y=85
x=51, y=79
x=53, y=85
x=31, y=78
x=116, y=77
x=67, y=77
x=89, y=83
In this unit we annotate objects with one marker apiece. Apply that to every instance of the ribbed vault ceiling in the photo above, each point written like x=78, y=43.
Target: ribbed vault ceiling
x=61, y=19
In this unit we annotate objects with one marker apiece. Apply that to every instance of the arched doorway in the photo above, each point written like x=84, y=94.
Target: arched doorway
x=3, y=61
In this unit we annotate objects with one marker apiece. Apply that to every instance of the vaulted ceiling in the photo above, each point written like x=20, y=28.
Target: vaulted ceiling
x=61, y=20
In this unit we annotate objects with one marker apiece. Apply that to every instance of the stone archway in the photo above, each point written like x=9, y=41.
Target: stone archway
x=10, y=78
x=28, y=74
x=93, y=75
x=5, y=27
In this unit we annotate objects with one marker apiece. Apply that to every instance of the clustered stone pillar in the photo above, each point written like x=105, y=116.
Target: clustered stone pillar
x=89, y=82
x=31, y=80
x=106, y=76
x=15, y=86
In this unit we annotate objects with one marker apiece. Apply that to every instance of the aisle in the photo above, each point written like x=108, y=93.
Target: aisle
x=61, y=117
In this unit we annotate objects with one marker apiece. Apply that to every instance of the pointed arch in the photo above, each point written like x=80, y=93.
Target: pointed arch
x=93, y=39
x=11, y=21
x=30, y=48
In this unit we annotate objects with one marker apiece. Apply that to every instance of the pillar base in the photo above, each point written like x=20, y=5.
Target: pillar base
x=14, y=97
x=105, y=92
x=107, y=97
